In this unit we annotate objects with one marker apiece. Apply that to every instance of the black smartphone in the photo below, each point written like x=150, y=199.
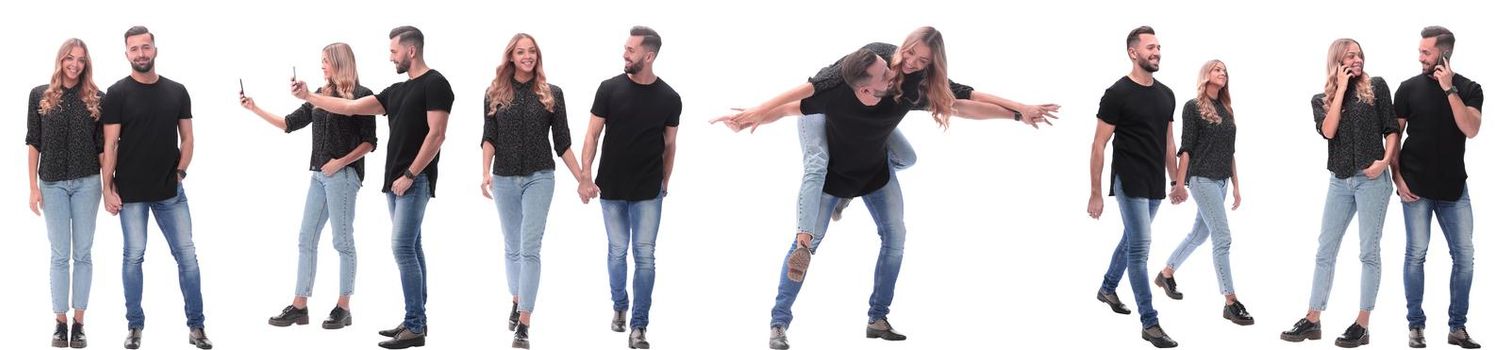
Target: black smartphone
x=295, y=76
x=242, y=84
x=1445, y=56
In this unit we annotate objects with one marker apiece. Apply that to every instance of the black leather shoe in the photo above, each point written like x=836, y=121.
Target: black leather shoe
x=778, y=339
x=1417, y=338
x=1237, y=313
x=1355, y=336
x=1169, y=287
x=1303, y=330
x=1159, y=339
x=290, y=315
x=521, y=337
x=76, y=338
x=393, y=332
x=199, y=340
x=637, y=339
x=60, y=335
x=339, y=318
x=618, y=321
x=513, y=317
x=1115, y=302
x=133, y=338
x=403, y=340
x=882, y=329
x=1460, y=338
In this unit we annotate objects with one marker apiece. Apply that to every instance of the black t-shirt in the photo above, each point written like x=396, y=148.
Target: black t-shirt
x=1141, y=115
x=146, y=166
x=407, y=105
x=857, y=134
x=635, y=117
x=1431, y=161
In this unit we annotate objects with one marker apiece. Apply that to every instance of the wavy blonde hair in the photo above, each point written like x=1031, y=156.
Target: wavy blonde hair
x=500, y=93
x=89, y=94
x=1364, y=85
x=1203, y=101
x=935, y=88
x=343, y=81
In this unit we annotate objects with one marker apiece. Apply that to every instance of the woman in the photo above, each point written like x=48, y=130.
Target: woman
x=522, y=108
x=923, y=83
x=64, y=141
x=1355, y=114
x=336, y=171
x=1207, y=164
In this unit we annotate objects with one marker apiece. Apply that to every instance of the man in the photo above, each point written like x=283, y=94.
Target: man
x=142, y=171
x=1139, y=111
x=861, y=118
x=1439, y=110
x=417, y=110
x=640, y=113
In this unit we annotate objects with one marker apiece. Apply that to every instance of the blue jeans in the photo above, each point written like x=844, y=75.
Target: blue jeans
x=637, y=222
x=523, y=203
x=407, y=212
x=886, y=208
x=1455, y=218
x=333, y=199
x=812, y=132
x=1130, y=257
x=1210, y=222
x=70, y=207
x=1368, y=199
x=173, y=220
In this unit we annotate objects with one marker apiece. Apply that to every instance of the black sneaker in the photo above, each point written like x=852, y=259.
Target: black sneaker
x=513, y=317
x=290, y=315
x=618, y=321
x=1169, y=287
x=133, y=338
x=1159, y=339
x=1237, y=313
x=199, y=340
x=838, y=210
x=1110, y=299
x=1303, y=330
x=403, y=340
x=1460, y=338
x=778, y=339
x=339, y=318
x=882, y=329
x=1355, y=336
x=60, y=335
x=76, y=338
x=1417, y=338
x=797, y=263
x=521, y=336
x=637, y=340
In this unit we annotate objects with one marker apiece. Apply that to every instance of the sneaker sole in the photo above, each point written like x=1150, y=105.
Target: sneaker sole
x=796, y=265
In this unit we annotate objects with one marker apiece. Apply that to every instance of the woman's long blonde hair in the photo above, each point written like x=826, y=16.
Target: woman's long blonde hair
x=90, y=93
x=1203, y=100
x=935, y=86
x=343, y=80
x=1364, y=85
x=500, y=93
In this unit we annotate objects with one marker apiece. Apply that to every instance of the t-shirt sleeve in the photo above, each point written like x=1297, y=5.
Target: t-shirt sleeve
x=1401, y=100
x=110, y=107
x=186, y=111
x=1383, y=100
x=600, y=104
x=34, y=119
x=817, y=104
x=1110, y=108
x=674, y=119
x=560, y=131
x=438, y=96
x=1473, y=97
x=382, y=98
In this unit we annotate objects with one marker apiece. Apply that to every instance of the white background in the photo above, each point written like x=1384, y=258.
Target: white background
x=1001, y=253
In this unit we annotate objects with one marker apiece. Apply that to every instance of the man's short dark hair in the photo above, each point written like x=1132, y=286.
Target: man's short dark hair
x=855, y=67
x=651, y=38
x=408, y=35
x=1135, y=37
x=1445, y=40
x=139, y=30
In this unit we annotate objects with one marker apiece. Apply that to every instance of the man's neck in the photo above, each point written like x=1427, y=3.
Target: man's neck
x=645, y=76
x=1141, y=77
x=150, y=77
x=417, y=69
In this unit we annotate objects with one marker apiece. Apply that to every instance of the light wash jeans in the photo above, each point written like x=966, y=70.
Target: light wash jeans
x=523, y=204
x=813, y=135
x=69, y=208
x=333, y=199
x=1368, y=200
x=1210, y=222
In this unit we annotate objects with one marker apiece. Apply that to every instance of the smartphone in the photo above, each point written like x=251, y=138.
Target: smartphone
x=1445, y=56
x=241, y=83
x=295, y=76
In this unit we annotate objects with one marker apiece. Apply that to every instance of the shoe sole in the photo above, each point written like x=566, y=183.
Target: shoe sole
x=78, y=344
x=1234, y=319
x=419, y=343
x=796, y=265
x=59, y=343
x=1364, y=341
x=1299, y=338
x=337, y=325
x=520, y=345
x=872, y=334
x=780, y=346
x=632, y=346
x=279, y=323
x=196, y=345
x=1158, y=345
x=1453, y=341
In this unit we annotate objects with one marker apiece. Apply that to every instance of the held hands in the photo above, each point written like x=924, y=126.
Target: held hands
x=112, y=202
x=1178, y=195
x=586, y=190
